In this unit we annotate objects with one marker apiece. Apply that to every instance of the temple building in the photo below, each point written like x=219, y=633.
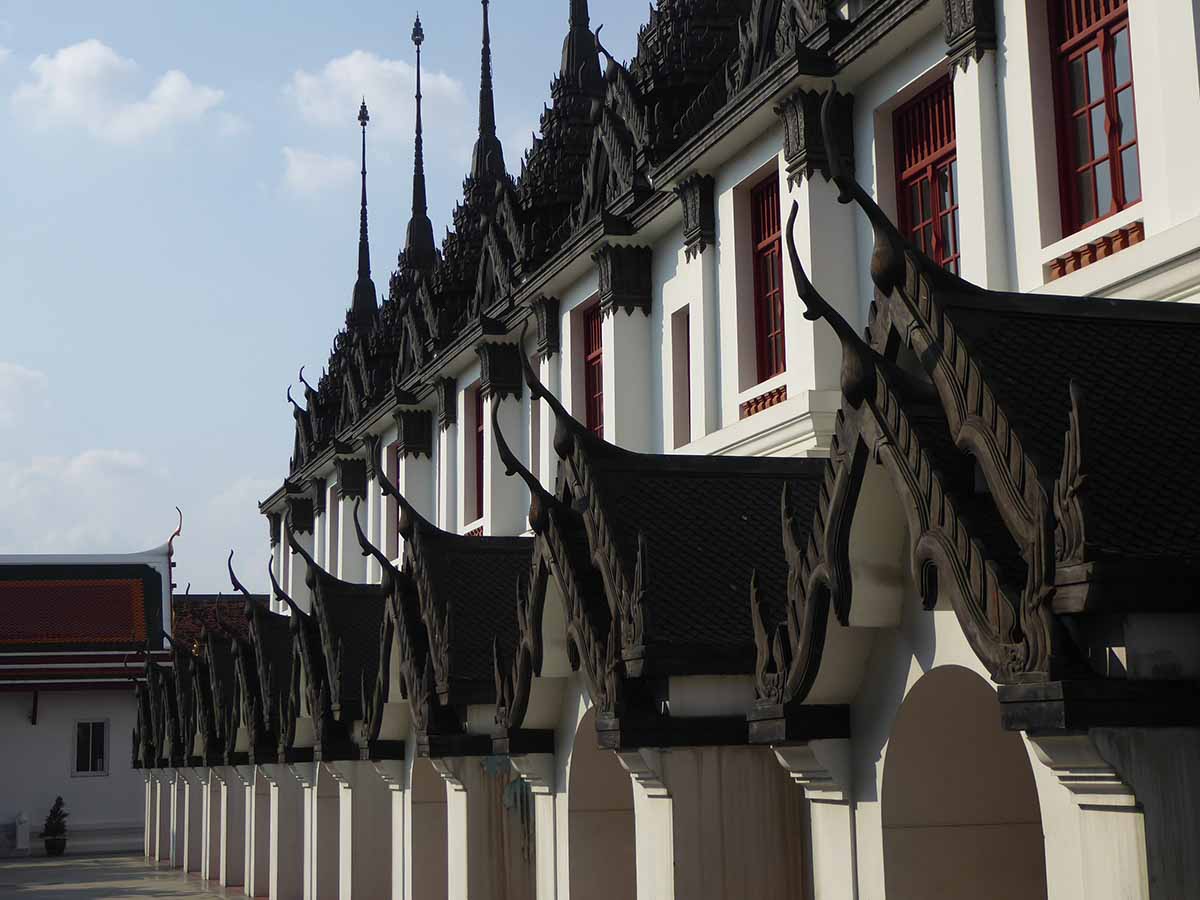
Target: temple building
x=777, y=484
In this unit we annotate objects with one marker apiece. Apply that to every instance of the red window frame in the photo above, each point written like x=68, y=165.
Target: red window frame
x=593, y=369
x=927, y=172
x=1097, y=117
x=766, y=234
x=479, y=453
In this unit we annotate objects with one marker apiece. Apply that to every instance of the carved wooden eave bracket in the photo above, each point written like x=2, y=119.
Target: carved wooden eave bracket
x=804, y=147
x=697, y=199
x=970, y=31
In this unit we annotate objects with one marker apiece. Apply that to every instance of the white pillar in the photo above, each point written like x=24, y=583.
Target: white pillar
x=550, y=374
x=148, y=813
x=1166, y=81
x=470, y=850
x=506, y=510
x=162, y=814
x=449, y=460
x=628, y=416
x=210, y=828
x=320, y=825
x=351, y=564
x=178, y=816
x=297, y=587
x=414, y=479
x=539, y=772
x=232, y=847
x=823, y=770
x=364, y=832
x=373, y=506
x=257, y=809
x=394, y=775
x=983, y=223
x=285, y=881
x=279, y=552
x=1106, y=823
x=193, y=820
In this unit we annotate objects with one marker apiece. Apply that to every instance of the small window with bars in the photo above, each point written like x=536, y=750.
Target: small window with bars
x=593, y=369
x=1097, y=133
x=768, y=278
x=91, y=748
x=927, y=172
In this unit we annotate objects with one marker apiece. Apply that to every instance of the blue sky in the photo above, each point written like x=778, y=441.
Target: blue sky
x=178, y=226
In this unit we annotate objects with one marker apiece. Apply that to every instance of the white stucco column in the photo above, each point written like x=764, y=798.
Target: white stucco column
x=232, y=839
x=539, y=771
x=257, y=846
x=1105, y=822
x=320, y=825
x=373, y=505
x=715, y=822
x=506, y=508
x=550, y=374
x=162, y=815
x=448, y=461
x=351, y=564
x=822, y=769
x=193, y=819
x=297, y=587
x=1164, y=41
x=210, y=828
x=414, y=479
x=628, y=416
x=286, y=834
x=825, y=242
x=278, y=554
x=394, y=775
x=148, y=817
x=983, y=226
x=178, y=816
x=364, y=831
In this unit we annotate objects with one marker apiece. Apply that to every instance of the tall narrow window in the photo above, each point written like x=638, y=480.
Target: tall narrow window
x=593, y=370
x=768, y=278
x=1097, y=134
x=681, y=375
x=479, y=452
x=90, y=746
x=927, y=173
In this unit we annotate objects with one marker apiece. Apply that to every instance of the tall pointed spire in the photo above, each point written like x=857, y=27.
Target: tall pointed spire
x=488, y=158
x=580, y=59
x=419, y=248
x=362, y=307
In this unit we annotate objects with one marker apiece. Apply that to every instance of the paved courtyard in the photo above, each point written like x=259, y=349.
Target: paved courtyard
x=109, y=877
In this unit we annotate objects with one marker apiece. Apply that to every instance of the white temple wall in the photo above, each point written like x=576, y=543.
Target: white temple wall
x=37, y=761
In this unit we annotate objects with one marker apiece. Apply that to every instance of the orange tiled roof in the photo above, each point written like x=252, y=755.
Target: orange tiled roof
x=72, y=611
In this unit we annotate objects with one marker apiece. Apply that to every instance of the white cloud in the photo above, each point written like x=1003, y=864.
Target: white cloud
x=20, y=388
x=230, y=125
x=330, y=96
x=89, y=86
x=5, y=53
x=306, y=172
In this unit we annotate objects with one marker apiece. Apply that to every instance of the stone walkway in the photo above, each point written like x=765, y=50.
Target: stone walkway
x=95, y=877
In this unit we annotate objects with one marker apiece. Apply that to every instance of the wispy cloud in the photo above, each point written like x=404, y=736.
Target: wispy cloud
x=330, y=96
x=5, y=53
x=89, y=86
x=307, y=172
x=20, y=387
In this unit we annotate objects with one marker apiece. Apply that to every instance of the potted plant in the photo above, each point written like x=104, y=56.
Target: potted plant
x=55, y=830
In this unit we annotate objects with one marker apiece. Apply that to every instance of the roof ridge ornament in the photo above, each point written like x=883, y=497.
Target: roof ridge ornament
x=391, y=575
x=541, y=501
x=567, y=429
x=411, y=520
x=892, y=250
x=419, y=249
x=363, y=306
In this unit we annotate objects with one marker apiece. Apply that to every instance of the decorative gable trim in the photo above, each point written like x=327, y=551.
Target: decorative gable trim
x=697, y=197
x=624, y=275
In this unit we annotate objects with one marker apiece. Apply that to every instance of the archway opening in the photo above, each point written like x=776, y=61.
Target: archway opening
x=600, y=823
x=429, y=851
x=960, y=807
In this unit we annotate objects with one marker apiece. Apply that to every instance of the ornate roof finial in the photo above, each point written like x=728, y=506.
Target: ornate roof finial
x=419, y=248
x=488, y=158
x=362, y=307
x=580, y=59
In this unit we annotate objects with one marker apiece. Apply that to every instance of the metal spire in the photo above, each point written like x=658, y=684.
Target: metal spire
x=419, y=247
x=580, y=59
x=362, y=306
x=488, y=158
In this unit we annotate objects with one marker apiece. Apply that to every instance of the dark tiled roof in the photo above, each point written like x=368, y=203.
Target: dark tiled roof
x=708, y=524
x=78, y=606
x=192, y=614
x=478, y=578
x=354, y=614
x=1137, y=365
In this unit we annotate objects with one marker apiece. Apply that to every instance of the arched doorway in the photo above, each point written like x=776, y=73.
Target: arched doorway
x=429, y=852
x=600, y=824
x=960, y=808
